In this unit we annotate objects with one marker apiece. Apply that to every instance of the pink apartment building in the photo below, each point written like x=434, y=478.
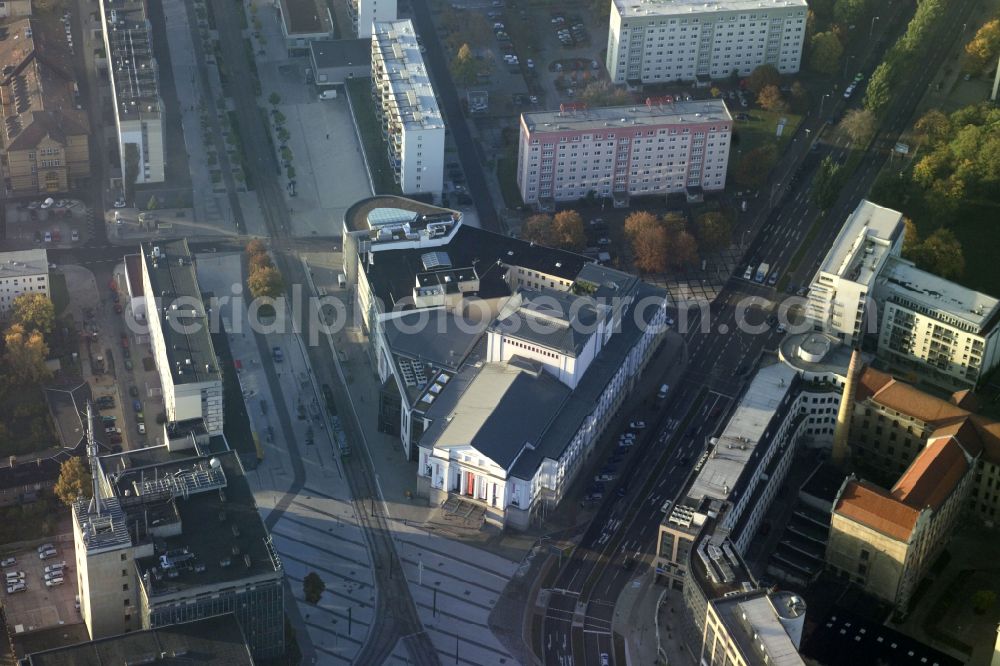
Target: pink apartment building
x=659, y=147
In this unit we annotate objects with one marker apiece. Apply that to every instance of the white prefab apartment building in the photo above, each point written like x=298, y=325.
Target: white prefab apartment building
x=22, y=272
x=652, y=41
x=133, y=74
x=179, y=336
x=654, y=148
x=924, y=324
x=366, y=12
x=412, y=125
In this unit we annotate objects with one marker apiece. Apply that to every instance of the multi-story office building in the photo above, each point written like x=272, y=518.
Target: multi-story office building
x=841, y=294
x=45, y=133
x=179, y=335
x=407, y=108
x=133, y=73
x=366, y=12
x=13, y=8
x=656, y=148
x=924, y=324
x=752, y=628
x=502, y=362
x=22, y=272
x=685, y=40
x=175, y=536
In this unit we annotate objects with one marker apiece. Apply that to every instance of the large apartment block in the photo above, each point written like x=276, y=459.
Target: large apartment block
x=179, y=336
x=366, y=12
x=133, y=73
x=925, y=325
x=655, y=148
x=22, y=272
x=684, y=40
x=407, y=108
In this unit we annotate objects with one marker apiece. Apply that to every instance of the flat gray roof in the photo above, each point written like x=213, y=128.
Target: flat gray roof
x=330, y=53
x=216, y=640
x=409, y=83
x=174, y=288
x=863, y=242
x=744, y=431
x=634, y=115
x=935, y=294
x=17, y=263
x=684, y=8
x=554, y=319
x=753, y=623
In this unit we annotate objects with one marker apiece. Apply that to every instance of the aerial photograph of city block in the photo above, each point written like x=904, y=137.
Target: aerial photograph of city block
x=500, y=332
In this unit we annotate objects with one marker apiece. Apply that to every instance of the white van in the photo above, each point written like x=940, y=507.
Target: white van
x=341, y=280
x=328, y=94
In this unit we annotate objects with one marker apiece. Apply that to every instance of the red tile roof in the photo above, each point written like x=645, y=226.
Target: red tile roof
x=933, y=475
x=874, y=507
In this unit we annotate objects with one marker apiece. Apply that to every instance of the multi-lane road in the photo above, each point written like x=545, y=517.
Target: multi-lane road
x=721, y=356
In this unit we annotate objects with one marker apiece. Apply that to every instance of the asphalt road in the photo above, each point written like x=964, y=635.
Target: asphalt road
x=437, y=65
x=576, y=629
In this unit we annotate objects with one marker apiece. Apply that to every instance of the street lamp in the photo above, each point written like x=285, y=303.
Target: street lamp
x=822, y=100
x=871, y=30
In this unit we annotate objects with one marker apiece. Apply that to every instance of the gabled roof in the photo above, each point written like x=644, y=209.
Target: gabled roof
x=933, y=475
x=874, y=507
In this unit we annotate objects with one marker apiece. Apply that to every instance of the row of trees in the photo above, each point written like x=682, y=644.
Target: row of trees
x=265, y=280
x=661, y=244
x=563, y=230
x=26, y=426
x=827, y=26
x=905, y=53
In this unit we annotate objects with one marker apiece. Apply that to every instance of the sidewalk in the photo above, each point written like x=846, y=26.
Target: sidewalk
x=643, y=617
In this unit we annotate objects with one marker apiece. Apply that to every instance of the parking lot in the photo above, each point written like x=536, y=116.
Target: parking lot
x=40, y=606
x=49, y=222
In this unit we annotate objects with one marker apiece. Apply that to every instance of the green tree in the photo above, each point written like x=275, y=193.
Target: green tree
x=799, y=98
x=848, y=12
x=290, y=172
x=26, y=352
x=648, y=238
x=761, y=77
x=941, y=254
x=464, y=67
x=266, y=282
x=933, y=125
x=274, y=98
x=130, y=173
x=74, y=482
x=152, y=203
x=859, y=124
x=279, y=118
x=256, y=246
x=568, y=232
x=753, y=168
x=286, y=154
x=34, y=312
x=911, y=238
x=313, y=587
x=714, y=231
x=879, y=90
x=825, y=51
x=826, y=184
x=771, y=99
x=981, y=53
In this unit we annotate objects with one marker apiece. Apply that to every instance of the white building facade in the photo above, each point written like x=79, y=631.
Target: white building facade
x=366, y=12
x=22, y=272
x=656, y=148
x=684, y=40
x=407, y=107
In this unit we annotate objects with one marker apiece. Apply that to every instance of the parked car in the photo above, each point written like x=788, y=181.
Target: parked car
x=53, y=575
x=47, y=554
x=15, y=588
x=605, y=476
x=75, y=235
x=637, y=425
x=278, y=355
x=136, y=405
x=45, y=546
x=133, y=391
x=14, y=576
x=48, y=236
x=54, y=582
x=8, y=562
x=142, y=428
x=58, y=566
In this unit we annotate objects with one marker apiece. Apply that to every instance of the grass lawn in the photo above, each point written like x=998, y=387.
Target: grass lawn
x=58, y=292
x=760, y=130
x=371, y=136
x=507, y=174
